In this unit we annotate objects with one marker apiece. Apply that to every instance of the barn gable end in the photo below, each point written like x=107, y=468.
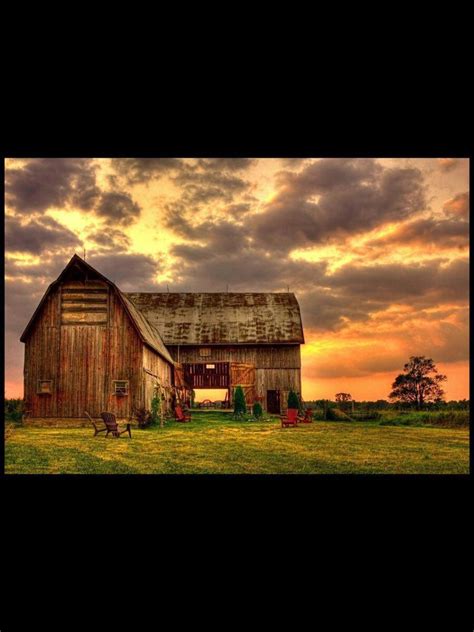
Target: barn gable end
x=85, y=350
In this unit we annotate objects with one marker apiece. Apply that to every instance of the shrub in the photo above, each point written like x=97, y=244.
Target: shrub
x=366, y=415
x=293, y=401
x=144, y=417
x=14, y=409
x=335, y=414
x=155, y=410
x=257, y=410
x=319, y=414
x=240, y=406
x=445, y=418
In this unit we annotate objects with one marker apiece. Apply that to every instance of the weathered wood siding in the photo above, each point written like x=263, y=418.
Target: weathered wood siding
x=264, y=356
x=155, y=368
x=42, y=359
x=282, y=380
x=83, y=360
x=278, y=367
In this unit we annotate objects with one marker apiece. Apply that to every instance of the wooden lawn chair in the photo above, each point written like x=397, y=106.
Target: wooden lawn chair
x=291, y=418
x=111, y=424
x=96, y=428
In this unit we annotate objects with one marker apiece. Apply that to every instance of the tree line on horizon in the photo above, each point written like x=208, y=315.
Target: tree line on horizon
x=418, y=387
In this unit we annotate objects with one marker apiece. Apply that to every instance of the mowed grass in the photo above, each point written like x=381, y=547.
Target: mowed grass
x=212, y=443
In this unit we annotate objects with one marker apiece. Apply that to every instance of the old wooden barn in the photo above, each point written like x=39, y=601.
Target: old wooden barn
x=89, y=346
x=227, y=339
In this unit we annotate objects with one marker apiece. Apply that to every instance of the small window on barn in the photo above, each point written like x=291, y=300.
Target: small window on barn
x=205, y=352
x=45, y=387
x=120, y=387
x=210, y=366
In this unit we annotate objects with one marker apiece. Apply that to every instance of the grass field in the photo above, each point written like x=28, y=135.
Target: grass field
x=214, y=444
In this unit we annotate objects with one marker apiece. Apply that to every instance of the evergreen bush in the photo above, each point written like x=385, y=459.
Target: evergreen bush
x=257, y=410
x=155, y=409
x=293, y=401
x=240, y=405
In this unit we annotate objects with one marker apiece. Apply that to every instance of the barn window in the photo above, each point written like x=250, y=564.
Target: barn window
x=120, y=387
x=205, y=352
x=210, y=366
x=45, y=387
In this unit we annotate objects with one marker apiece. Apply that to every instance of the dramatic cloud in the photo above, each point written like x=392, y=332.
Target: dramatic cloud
x=199, y=188
x=23, y=298
x=68, y=183
x=458, y=205
x=46, y=182
x=429, y=232
x=111, y=239
x=390, y=339
x=138, y=170
x=242, y=268
x=428, y=283
x=36, y=237
x=226, y=164
x=130, y=272
x=332, y=198
x=448, y=164
x=118, y=207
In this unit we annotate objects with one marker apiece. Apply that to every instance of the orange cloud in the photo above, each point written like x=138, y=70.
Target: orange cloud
x=458, y=205
x=447, y=164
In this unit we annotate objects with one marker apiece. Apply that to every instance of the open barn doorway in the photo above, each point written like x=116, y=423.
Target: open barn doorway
x=210, y=397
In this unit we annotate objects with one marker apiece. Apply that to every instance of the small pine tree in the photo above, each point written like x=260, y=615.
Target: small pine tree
x=240, y=406
x=155, y=409
x=257, y=410
x=293, y=401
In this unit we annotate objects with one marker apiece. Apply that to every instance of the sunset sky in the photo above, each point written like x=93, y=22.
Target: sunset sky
x=376, y=250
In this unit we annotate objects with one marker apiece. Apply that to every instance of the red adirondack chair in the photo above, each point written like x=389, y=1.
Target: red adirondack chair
x=180, y=415
x=111, y=424
x=291, y=418
x=308, y=416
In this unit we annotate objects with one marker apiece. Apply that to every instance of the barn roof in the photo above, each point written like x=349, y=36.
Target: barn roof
x=148, y=333
x=146, y=330
x=222, y=318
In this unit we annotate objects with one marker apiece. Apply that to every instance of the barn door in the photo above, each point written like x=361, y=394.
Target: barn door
x=273, y=402
x=243, y=375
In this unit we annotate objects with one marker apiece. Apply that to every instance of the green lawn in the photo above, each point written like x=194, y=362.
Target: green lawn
x=214, y=444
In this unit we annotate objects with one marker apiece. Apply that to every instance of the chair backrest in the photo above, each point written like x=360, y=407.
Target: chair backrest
x=292, y=414
x=179, y=412
x=91, y=420
x=109, y=420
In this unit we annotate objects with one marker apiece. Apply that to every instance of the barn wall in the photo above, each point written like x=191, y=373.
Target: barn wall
x=278, y=367
x=42, y=360
x=272, y=356
x=154, y=367
x=278, y=379
x=82, y=359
